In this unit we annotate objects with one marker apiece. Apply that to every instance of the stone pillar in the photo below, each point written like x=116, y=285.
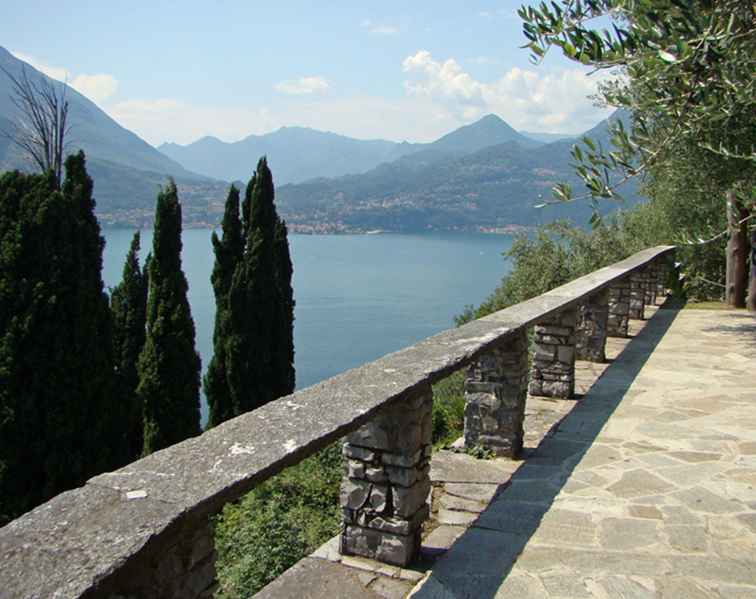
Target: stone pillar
x=553, y=372
x=385, y=488
x=637, y=294
x=619, y=308
x=650, y=273
x=591, y=331
x=661, y=279
x=496, y=388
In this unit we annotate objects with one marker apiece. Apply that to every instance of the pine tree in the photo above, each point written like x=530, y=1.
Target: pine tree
x=169, y=366
x=254, y=347
x=57, y=410
x=228, y=253
x=128, y=303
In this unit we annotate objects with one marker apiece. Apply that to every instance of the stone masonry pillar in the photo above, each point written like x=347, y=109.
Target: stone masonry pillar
x=650, y=283
x=661, y=279
x=553, y=371
x=619, y=308
x=591, y=331
x=496, y=388
x=637, y=294
x=385, y=487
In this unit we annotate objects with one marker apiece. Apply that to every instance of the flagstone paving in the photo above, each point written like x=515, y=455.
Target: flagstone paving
x=644, y=486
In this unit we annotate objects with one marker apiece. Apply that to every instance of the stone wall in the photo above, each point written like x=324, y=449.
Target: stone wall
x=142, y=531
x=384, y=492
x=591, y=329
x=619, y=309
x=553, y=371
x=495, y=391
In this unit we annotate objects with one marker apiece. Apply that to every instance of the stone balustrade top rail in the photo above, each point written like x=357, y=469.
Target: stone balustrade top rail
x=88, y=541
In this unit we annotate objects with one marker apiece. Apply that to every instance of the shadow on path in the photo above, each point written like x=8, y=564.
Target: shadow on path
x=480, y=560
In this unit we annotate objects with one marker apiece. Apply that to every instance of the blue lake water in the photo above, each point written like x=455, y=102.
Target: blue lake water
x=358, y=297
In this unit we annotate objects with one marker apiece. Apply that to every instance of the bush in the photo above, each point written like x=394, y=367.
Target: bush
x=277, y=524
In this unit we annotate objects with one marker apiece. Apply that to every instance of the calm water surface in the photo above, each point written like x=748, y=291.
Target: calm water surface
x=358, y=296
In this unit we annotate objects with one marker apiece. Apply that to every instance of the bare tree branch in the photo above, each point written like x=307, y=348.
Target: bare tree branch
x=42, y=126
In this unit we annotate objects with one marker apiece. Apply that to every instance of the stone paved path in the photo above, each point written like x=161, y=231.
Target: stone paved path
x=646, y=489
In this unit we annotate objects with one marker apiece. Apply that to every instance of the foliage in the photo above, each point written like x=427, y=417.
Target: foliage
x=688, y=79
x=169, y=366
x=480, y=452
x=222, y=401
x=278, y=523
x=56, y=360
x=254, y=345
x=128, y=304
x=448, y=409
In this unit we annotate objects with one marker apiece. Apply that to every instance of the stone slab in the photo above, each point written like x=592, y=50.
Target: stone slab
x=318, y=579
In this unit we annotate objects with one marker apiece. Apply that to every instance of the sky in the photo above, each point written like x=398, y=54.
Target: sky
x=176, y=71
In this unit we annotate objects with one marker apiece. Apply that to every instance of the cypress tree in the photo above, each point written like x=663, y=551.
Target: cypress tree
x=254, y=348
x=284, y=348
x=169, y=366
x=57, y=409
x=128, y=303
x=221, y=399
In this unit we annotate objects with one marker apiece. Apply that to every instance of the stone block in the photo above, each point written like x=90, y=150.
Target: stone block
x=354, y=493
x=408, y=500
x=355, y=469
x=358, y=453
x=403, y=460
x=390, y=548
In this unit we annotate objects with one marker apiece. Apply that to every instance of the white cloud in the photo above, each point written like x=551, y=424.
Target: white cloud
x=379, y=28
x=302, y=86
x=536, y=100
x=97, y=88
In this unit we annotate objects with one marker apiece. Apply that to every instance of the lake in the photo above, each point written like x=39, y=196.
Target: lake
x=358, y=297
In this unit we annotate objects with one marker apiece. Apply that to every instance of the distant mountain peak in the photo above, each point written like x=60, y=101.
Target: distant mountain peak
x=489, y=130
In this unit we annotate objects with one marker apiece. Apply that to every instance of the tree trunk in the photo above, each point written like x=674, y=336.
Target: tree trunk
x=752, y=280
x=737, y=252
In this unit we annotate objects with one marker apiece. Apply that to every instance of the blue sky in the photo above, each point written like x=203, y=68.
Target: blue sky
x=176, y=71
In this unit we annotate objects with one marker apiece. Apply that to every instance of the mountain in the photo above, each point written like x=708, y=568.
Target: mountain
x=294, y=154
x=489, y=131
x=491, y=188
x=129, y=170
x=546, y=138
x=298, y=154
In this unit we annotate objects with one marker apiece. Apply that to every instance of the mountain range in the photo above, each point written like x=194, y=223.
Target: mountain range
x=298, y=154
x=490, y=188
x=482, y=176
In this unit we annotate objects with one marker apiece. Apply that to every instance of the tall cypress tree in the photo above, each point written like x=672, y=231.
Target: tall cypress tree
x=254, y=348
x=128, y=303
x=284, y=347
x=169, y=366
x=57, y=410
x=219, y=388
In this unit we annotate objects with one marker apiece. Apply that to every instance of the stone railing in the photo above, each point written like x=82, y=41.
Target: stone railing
x=143, y=531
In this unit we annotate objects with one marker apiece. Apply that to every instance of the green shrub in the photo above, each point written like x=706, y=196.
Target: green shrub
x=277, y=524
x=448, y=409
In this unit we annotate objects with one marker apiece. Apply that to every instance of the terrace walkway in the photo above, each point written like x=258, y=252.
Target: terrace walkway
x=645, y=487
